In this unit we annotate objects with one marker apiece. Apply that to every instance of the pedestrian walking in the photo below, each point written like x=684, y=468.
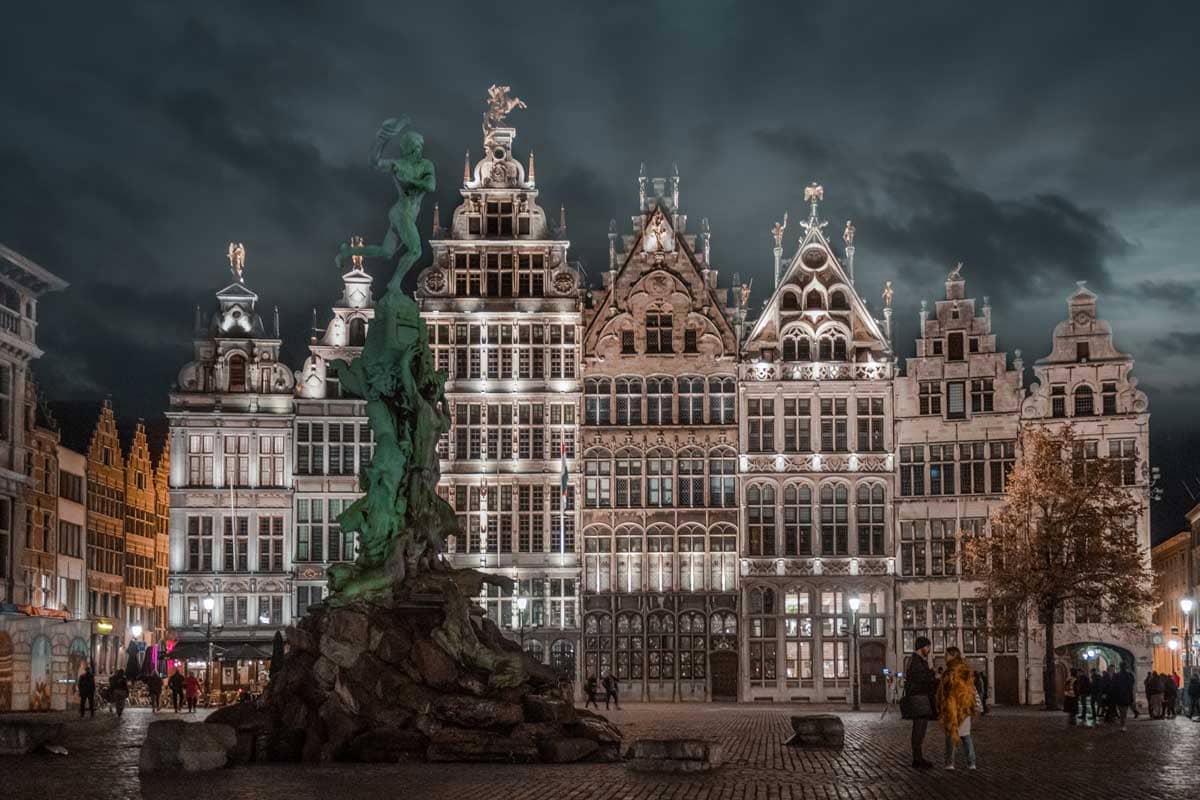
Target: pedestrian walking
x=589, y=688
x=1108, y=693
x=956, y=704
x=1083, y=691
x=1097, y=692
x=610, y=690
x=154, y=686
x=1123, y=689
x=175, y=684
x=920, y=686
x=1170, y=695
x=118, y=686
x=191, y=688
x=1154, y=695
x=1071, y=696
x=87, y=691
x=1193, y=690
x=981, y=688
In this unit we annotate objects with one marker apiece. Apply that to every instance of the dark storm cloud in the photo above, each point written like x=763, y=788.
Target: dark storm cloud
x=1173, y=293
x=1176, y=343
x=1040, y=145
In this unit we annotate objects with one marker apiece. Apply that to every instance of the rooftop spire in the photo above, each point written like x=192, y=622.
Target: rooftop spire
x=642, y=187
x=562, y=222
x=437, y=223
x=675, y=187
x=467, y=167
x=532, y=172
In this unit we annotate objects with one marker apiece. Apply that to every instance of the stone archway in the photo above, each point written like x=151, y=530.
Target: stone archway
x=1089, y=655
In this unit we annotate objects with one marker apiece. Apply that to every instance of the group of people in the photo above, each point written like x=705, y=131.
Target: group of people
x=1111, y=694
x=609, y=682
x=1163, y=695
x=953, y=695
x=117, y=691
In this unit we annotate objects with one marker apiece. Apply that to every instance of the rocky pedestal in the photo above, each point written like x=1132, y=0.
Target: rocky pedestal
x=819, y=731
x=189, y=746
x=21, y=736
x=423, y=675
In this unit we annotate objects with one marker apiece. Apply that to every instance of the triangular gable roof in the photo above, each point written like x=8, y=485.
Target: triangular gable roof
x=635, y=249
x=834, y=264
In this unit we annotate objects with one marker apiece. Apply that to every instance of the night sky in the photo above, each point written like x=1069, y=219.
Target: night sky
x=1039, y=145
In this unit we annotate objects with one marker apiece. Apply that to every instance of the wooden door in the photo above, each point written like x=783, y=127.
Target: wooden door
x=872, y=684
x=724, y=671
x=1007, y=690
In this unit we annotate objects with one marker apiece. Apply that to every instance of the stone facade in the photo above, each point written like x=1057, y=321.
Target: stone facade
x=503, y=306
x=660, y=517
x=1169, y=560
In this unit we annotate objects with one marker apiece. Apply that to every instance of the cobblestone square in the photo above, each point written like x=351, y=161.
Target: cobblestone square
x=1022, y=753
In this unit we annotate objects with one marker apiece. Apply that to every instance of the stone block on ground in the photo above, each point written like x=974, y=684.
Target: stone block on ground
x=818, y=731
x=19, y=737
x=463, y=744
x=187, y=746
x=674, y=755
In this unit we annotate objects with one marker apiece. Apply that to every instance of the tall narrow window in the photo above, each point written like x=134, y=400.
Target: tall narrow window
x=629, y=479
x=629, y=401
x=760, y=516
x=797, y=425
x=721, y=396
x=237, y=373
x=835, y=520
x=870, y=519
x=797, y=520
x=870, y=423
x=1085, y=402
x=722, y=477
x=971, y=464
x=597, y=401
x=941, y=469
x=660, y=479
x=956, y=406
x=760, y=422
x=1058, y=401
x=981, y=395
x=954, y=347
x=691, y=401
x=659, y=400
x=691, y=478
x=931, y=398
x=658, y=332
x=834, y=423
x=1108, y=395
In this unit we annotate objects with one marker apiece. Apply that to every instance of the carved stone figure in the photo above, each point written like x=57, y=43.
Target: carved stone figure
x=237, y=259
x=500, y=105
x=777, y=231
x=956, y=273
x=887, y=294
x=848, y=234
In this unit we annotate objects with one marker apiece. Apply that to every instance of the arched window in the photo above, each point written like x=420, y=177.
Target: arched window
x=760, y=514
x=835, y=515
x=597, y=401
x=629, y=646
x=796, y=347
x=837, y=301
x=597, y=559
x=237, y=373
x=358, y=332
x=629, y=401
x=722, y=558
x=660, y=478
x=870, y=519
x=798, y=634
x=839, y=348
x=721, y=395
x=797, y=520
x=722, y=471
x=562, y=658
x=691, y=558
x=1085, y=401
x=629, y=478
x=597, y=482
x=813, y=301
x=630, y=548
x=826, y=349
x=660, y=643
x=536, y=650
x=790, y=302
x=691, y=401
x=659, y=399
x=691, y=478
x=692, y=649
x=660, y=556
x=597, y=644
x=833, y=348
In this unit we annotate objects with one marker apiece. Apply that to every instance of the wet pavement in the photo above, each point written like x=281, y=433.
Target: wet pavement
x=1022, y=753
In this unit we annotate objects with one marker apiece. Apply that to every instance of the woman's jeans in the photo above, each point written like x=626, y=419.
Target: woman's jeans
x=968, y=745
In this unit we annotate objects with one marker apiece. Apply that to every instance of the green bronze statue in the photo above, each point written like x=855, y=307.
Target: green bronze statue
x=400, y=520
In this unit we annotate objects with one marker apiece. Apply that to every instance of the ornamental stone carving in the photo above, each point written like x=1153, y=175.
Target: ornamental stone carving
x=563, y=282
x=435, y=282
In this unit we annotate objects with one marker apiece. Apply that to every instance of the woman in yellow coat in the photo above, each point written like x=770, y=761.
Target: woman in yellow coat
x=956, y=706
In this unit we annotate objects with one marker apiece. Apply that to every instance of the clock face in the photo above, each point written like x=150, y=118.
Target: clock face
x=1082, y=318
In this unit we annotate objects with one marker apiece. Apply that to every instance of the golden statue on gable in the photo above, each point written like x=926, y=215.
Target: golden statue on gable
x=500, y=105
x=237, y=259
x=777, y=231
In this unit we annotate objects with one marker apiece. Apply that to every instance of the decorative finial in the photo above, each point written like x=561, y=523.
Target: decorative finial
x=675, y=187
x=848, y=234
x=467, y=167
x=956, y=273
x=777, y=231
x=499, y=107
x=642, y=186
x=532, y=172
x=612, y=227
x=198, y=318
x=887, y=294
x=562, y=221
x=437, y=221
x=276, y=322
x=314, y=322
x=814, y=193
x=356, y=260
x=237, y=259
x=706, y=233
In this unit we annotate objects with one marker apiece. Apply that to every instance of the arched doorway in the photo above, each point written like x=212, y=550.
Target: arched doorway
x=358, y=332
x=6, y=672
x=724, y=671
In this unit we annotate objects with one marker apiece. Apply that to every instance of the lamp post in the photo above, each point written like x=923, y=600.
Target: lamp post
x=1186, y=604
x=855, y=602
x=208, y=609
x=522, y=604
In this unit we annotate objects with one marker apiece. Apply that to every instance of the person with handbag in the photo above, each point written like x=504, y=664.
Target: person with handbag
x=957, y=702
x=917, y=704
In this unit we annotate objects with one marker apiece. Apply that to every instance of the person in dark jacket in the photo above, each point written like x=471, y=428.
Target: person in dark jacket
x=1083, y=688
x=87, y=691
x=154, y=685
x=1193, y=693
x=610, y=690
x=118, y=685
x=1124, y=687
x=1108, y=694
x=919, y=679
x=981, y=688
x=1097, y=692
x=175, y=684
x=589, y=688
x=1170, y=695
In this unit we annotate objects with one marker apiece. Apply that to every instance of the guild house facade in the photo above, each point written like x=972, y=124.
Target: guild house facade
x=691, y=495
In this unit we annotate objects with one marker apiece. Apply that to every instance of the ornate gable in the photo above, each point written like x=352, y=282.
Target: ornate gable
x=815, y=312
x=659, y=273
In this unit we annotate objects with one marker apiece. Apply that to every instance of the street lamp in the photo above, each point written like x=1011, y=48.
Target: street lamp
x=855, y=602
x=1173, y=645
x=208, y=609
x=136, y=630
x=522, y=604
